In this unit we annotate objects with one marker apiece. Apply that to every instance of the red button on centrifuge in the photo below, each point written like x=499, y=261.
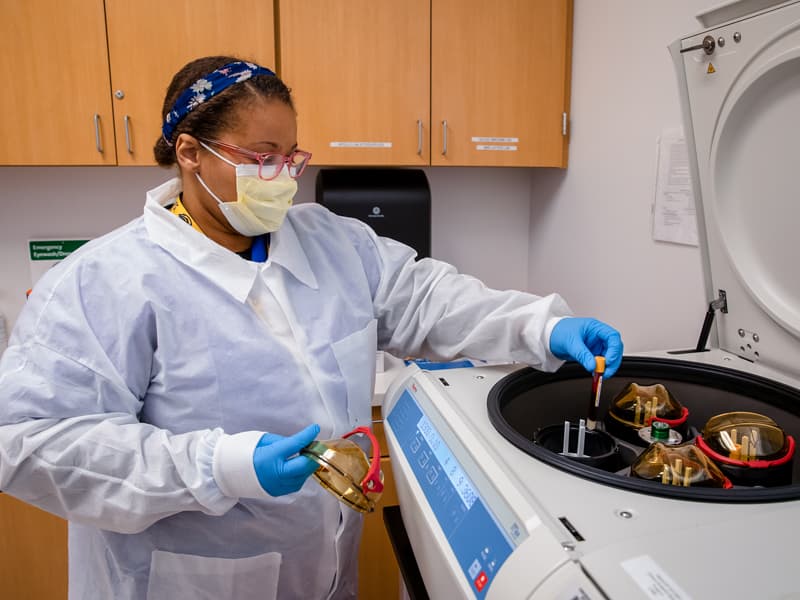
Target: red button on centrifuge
x=480, y=581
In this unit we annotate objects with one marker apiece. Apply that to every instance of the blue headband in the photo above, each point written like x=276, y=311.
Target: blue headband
x=206, y=88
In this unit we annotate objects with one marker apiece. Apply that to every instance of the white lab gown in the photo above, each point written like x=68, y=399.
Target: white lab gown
x=139, y=355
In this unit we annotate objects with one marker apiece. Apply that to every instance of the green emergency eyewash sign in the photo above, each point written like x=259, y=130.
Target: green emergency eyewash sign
x=43, y=254
x=53, y=250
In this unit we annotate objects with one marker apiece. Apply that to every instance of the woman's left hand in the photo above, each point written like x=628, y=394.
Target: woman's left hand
x=582, y=339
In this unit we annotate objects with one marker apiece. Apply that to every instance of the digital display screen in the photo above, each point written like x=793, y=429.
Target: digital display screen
x=448, y=463
x=480, y=545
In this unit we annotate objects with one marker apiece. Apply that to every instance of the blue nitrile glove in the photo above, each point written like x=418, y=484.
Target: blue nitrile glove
x=582, y=339
x=277, y=473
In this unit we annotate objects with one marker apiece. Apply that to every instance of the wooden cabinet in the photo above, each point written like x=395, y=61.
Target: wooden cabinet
x=376, y=82
x=500, y=75
x=77, y=95
x=34, y=542
x=149, y=40
x=360, y=75
x=55, y=108
x=33, y=552
x=379, y=574
x=429, y=82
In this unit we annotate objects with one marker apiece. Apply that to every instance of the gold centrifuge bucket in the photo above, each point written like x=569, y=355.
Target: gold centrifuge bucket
x=346, y=472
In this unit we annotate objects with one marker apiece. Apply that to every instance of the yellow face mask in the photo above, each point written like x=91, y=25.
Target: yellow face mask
x=260, y=205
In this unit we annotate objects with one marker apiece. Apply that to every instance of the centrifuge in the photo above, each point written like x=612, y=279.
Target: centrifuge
x=687, y=487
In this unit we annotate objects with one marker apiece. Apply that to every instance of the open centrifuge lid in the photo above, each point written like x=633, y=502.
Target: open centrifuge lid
x=740, y=106
x=734, y=9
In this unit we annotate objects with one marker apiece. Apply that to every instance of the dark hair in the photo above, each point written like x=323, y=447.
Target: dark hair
x=216, y=114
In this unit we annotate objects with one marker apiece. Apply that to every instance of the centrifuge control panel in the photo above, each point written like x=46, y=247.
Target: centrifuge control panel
x=478, y=524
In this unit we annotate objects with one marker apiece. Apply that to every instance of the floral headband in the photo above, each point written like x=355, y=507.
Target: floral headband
x=206, y=88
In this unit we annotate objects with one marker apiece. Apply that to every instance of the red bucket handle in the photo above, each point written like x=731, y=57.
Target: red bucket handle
x=372, y=481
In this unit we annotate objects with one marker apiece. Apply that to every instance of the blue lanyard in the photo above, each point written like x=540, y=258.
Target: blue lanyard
x=258, y=251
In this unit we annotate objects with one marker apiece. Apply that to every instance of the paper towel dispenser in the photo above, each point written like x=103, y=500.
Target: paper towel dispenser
x=396, y=203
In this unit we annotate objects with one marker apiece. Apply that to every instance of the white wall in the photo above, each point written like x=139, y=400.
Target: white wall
x=590, y=234
x=60, y=203
x=584, y=232
x=479, y=217
x=479, y=220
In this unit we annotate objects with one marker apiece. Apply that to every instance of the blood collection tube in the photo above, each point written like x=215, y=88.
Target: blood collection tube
x=597, y=384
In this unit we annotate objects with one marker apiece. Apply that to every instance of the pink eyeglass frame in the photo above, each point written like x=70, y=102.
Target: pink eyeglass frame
x=261, y=157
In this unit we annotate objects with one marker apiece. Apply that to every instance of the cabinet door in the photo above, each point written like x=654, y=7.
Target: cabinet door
x=378, y=573
x=149, y=40
x=33, y=552
x=360, y=74
x=500, y=74
x=55, y=108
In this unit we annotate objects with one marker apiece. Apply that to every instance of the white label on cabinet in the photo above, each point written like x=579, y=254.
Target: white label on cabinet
x=491, y=147
x=361, y=144
x=495, y=140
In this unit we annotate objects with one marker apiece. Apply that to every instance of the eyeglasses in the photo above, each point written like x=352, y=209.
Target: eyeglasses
x=269, y=164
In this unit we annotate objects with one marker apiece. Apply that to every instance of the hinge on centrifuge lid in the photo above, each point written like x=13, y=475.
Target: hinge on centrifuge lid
x=720, y=304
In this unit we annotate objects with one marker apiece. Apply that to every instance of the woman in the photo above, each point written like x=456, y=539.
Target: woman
x=160, y=381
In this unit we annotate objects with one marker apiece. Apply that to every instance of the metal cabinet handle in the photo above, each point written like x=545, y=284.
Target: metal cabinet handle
x=419, y=137
x=97, y=142
x=444, y=138
x=126, y=119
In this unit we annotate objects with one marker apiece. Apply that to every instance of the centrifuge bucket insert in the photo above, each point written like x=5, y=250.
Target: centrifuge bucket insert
x=346, y=472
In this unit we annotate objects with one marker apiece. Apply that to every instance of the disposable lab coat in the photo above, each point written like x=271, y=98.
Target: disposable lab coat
x=150, y=347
